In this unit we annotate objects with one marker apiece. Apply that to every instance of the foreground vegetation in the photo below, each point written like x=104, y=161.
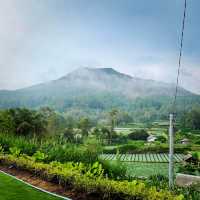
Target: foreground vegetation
x=71, y=155
x=91, y=177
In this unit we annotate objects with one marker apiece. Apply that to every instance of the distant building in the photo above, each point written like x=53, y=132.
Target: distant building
x=151, y=138
x=185, y=141
x=188, y=158
x=191, y=159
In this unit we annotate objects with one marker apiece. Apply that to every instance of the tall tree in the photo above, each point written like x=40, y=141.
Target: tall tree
x=113, y=119
x=6, y=122
x=27, y=121
x=192, y=119
x=85, y=125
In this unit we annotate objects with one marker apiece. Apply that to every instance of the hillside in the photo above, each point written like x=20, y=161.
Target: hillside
x=94, y=89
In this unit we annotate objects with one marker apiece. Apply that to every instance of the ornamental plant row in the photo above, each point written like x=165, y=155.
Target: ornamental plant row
x=78, y=177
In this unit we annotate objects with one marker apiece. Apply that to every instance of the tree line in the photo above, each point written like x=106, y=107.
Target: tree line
x=45, y=121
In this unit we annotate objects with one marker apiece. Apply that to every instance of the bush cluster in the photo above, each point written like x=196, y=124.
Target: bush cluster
x=27, y=145
x=140, y=134
x=53, y=148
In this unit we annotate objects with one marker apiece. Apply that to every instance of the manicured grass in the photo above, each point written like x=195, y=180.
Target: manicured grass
x=11, y=189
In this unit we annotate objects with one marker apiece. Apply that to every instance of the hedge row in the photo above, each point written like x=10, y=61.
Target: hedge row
x=71, y=176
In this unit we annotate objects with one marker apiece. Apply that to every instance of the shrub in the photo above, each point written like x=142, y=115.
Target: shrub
x=161, y=138
x=39, y=156
x=161, y=182
x=114, y=169
x=189, y=169
x=197, y=142
x=15, y=151
x=158, y=180
x=27, y=145
x=1, y=150
x=53, y=148
x=196, y=156
x=70, y=152
x=138, y=135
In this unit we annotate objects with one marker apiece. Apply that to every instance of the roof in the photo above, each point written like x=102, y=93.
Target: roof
x=184, y=140
x=151, y=137
x=187, y=157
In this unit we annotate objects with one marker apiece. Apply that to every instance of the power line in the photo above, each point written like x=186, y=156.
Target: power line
x=171, y=124
x=180, y=56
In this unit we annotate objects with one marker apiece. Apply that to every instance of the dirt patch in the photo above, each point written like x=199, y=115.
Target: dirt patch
x=46, y=185
x=185, y=180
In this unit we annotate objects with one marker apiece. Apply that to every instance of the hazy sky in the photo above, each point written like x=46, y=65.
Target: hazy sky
x=41, y=40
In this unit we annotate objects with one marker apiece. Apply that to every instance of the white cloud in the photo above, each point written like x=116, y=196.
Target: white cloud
x=45, y=40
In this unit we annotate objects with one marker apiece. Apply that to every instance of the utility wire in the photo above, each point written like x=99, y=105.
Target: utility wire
x=171, y=124
x=180, y=57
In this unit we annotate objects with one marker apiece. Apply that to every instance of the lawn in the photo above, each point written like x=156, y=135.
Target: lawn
x=12, y=189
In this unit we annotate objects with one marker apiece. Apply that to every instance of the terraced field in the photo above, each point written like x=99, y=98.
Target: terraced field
x=147, y=158
x=144, y=165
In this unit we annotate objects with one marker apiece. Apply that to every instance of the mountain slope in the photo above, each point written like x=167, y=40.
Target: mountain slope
x=93, y=88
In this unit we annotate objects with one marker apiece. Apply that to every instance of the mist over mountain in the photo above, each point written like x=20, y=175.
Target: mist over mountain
x=94, y=89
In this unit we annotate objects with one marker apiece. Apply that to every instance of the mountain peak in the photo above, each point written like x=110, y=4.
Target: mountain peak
x=107, y=70
x=89, y=71
x=95, y=88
